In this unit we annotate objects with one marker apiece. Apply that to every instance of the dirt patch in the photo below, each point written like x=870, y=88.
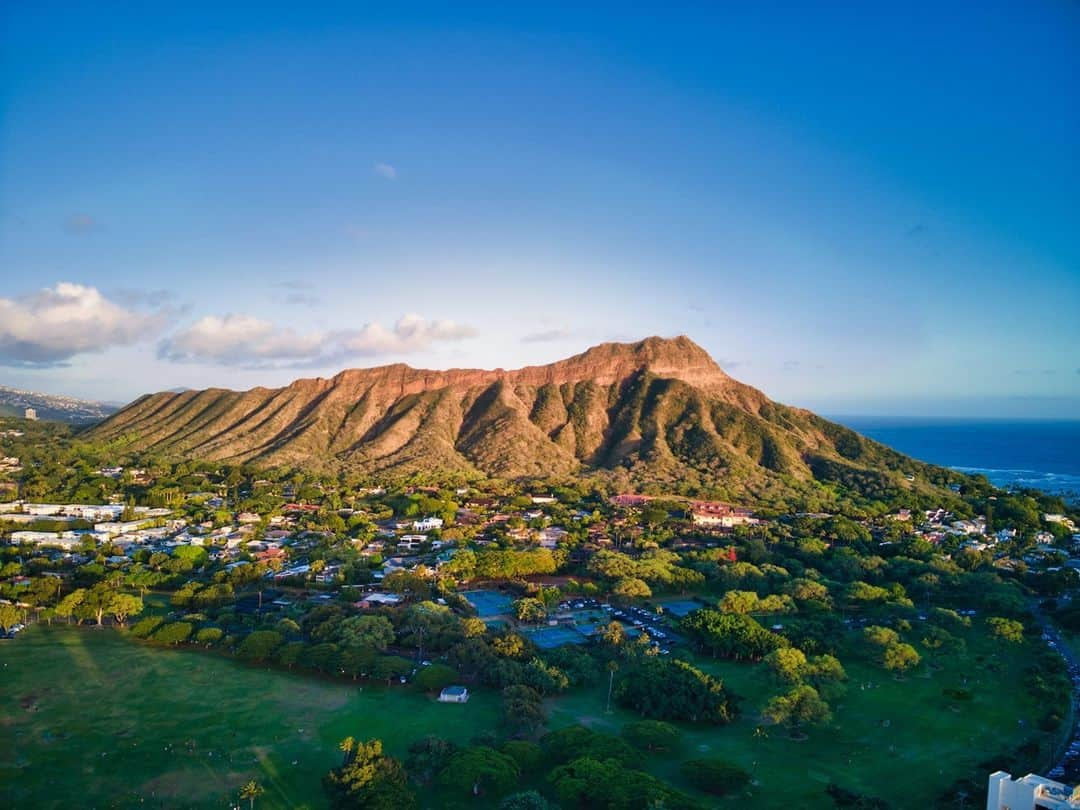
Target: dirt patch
x=192, y=785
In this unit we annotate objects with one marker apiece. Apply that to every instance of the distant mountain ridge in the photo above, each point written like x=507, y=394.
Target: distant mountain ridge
x=54, y=407
x=659, y=408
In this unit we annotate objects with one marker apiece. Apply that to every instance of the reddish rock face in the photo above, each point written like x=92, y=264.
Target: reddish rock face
x=652, y=406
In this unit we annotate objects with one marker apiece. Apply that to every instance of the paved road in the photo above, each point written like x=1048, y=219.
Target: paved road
x=1067, y=762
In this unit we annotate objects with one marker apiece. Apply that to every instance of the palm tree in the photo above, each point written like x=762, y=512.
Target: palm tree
x=346, y=747
x=613, y=666
x=251, y=791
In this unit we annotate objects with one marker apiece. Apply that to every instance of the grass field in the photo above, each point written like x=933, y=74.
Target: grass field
x=901, y=741
x=91, y=718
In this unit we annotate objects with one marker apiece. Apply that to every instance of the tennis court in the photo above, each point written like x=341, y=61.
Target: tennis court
x=547, y=637
x=681, y=607
x=488, y=603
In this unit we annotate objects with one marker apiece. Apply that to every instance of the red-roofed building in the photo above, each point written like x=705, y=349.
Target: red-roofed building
x=713, y=514
x=628, y=500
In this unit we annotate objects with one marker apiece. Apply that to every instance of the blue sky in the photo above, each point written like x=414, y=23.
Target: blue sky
x=858, y=212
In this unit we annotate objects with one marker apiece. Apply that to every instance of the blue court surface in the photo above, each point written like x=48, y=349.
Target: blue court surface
x=548, y=637
x=681, y=607
x=488, y=603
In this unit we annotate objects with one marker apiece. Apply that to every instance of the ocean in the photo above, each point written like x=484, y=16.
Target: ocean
x=1043, y=455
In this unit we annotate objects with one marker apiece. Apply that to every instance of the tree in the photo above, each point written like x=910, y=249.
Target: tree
x=172, y=633
x=435, y=677
x=390, y=667
x=96, y=603
x=209, y=635
x=472, y=627
x=739, y=602
x=652, y=735
x=9, y=617
x=251, y=791
x=259, y=645
x=70, y=604
x=716, y=776
x=787, y=664
x=522, y=708
x=1007, y=629
x=526, y=800
x=880, y=636
x=900, y=658
x=613, y=634
x=124, y=605
x=366, y=631
x=479, y=770
x=369, y=779
x=573, y=742
x=731, y=635
x=145, y=627
x=800, y=706
x=605, y=785
x=530, y=610
x=675, y=690
x=191, y=556
x=629, y=588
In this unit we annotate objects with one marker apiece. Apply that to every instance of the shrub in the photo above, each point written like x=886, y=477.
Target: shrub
x=259, y=645
x=651, y=735
x=145, y=627
x=435, y=677
x=716, y=776
x=209, y=635
x=172, y=633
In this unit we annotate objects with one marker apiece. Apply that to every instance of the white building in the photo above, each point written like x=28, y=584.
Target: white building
x=454, y=694
x=427, y=524
x=61, y=539
x=1028, y=793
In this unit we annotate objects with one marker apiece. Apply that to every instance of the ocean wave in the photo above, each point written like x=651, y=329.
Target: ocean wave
x=1052, y=483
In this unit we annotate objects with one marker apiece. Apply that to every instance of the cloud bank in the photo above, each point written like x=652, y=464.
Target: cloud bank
x=242, y=340
x=52, y=325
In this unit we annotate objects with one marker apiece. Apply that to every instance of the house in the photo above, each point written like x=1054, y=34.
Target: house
x=454, y=694
x=628, y=500
x=712, y=514
x=552, y=536
x=247, y=517
x=1027, y=793
x=427, y=524
x=62, y=539
x=376, y=599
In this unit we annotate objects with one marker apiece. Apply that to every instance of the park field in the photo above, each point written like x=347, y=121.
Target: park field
x=93, y=718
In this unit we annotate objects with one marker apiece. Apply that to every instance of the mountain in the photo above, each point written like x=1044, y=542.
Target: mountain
x=53, y=407
x=659, y=409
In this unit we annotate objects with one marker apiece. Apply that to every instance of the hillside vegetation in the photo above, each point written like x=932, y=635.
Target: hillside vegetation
x=660, y=410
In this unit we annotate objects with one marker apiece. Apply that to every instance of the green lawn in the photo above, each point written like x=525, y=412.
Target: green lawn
x=92, y=718
x=902, y=741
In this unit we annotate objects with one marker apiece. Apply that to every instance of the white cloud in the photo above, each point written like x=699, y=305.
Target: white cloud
x=53, y=325
x=385, y=170
x=410, y=334
x=548, y=335
x=241, y=340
